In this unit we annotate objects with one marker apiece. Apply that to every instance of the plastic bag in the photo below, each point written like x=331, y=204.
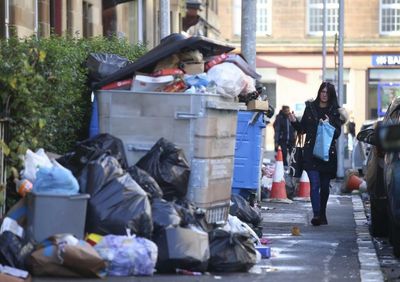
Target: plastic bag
x=101, y=65
x=167, y=164
x=242, y=209
x=116, y=201
x=189, y=215
x=146, y=182
x=323, y=141
x=230, y=79
x=164, y=215
x=128, y=255
x=34, y=161
x=91, y=149
x=63, y=255
x=235, y=225
x=185, y=248
x=55, y=181
x=11, y=250
x=231, y=252
x=197, y=80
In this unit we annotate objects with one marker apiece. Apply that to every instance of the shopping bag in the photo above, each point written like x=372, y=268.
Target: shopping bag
x=296, y=158
x=323, y=141
x=63, y=255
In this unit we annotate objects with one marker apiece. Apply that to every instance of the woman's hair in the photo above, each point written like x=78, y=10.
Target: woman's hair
x=332, y=98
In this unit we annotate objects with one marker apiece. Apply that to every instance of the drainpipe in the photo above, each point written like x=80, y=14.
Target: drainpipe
x=36, y=25
x=140, y=21
x=165, y=29
x=7, y=18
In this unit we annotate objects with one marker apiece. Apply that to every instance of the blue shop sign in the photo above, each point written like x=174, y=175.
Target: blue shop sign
x=386, y=60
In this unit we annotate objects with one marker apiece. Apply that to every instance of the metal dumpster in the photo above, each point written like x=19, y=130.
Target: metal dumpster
x=248, y=151
x=204, y=125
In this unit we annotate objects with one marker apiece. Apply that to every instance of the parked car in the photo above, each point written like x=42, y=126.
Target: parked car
x=361, y=150
x=383, y=175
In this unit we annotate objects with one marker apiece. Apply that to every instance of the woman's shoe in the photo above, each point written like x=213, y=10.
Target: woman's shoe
x=316, y=220
x=323, y=220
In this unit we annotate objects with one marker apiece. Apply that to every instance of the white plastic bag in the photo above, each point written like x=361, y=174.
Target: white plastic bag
x=128, y=255
x=230, y=79
x=235, y=225
x=34, y=161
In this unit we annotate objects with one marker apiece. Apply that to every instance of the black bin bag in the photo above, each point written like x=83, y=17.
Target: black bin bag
x=242, y=209
x=116, y=201
x=164, y=215
x=101, y=65
x=231, y=252
x=145, y=181
x=12, y=251
x=185, y=248
x=167, y=164
x=91, y=149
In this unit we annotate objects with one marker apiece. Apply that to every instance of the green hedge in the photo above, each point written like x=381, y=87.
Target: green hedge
x=43, y=89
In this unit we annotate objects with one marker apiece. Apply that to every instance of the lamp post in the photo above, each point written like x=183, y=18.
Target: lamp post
x=340, y=169
x=248, y=32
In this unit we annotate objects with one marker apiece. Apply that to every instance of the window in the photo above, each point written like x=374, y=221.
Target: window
x=263, y=17
x=316, y=17
x=55, y=16
x=382, y=83
x=213, y=4
x=263, y=24
x=389, y=23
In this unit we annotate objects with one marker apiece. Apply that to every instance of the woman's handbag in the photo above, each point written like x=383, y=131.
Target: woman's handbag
x=296, y=158
x=323, y=141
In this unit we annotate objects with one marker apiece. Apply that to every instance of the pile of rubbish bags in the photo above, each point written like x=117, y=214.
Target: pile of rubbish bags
x=115, y=220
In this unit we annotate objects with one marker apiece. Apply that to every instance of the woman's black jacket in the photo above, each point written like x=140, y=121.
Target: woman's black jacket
x=308, y=125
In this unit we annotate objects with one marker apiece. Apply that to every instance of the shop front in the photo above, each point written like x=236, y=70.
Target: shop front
x=383, y=83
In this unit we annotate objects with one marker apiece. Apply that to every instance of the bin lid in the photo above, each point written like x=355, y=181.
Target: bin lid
x=172, y=44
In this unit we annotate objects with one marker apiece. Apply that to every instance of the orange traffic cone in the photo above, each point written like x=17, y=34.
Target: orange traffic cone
x=355, y=183
x=303, y=190
x=278, y=190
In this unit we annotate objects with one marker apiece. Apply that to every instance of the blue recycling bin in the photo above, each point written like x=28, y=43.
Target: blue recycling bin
x=247, y=164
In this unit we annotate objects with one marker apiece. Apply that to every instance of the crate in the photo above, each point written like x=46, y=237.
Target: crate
x=248, y=151
x=203, y=125
x=56, y=214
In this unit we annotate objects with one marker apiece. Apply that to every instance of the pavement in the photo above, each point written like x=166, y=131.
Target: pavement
x=340, y=251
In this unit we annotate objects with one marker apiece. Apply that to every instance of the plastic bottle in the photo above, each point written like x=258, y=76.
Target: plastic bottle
x=23, y=186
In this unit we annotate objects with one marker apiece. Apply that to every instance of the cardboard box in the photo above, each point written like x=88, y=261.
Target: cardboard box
x=12, y=274
x=9, y=278
x=193, y=68
x=257, y=105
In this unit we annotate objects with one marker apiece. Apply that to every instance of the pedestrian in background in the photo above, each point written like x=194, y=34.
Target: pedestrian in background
x=324, y=108
x=285, y=135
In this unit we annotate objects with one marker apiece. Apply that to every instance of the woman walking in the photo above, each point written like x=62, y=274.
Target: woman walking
x=324, y=108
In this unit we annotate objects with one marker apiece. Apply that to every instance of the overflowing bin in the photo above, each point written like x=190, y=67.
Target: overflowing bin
x=55, y=214
x=248, y=151
x=203, y=125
